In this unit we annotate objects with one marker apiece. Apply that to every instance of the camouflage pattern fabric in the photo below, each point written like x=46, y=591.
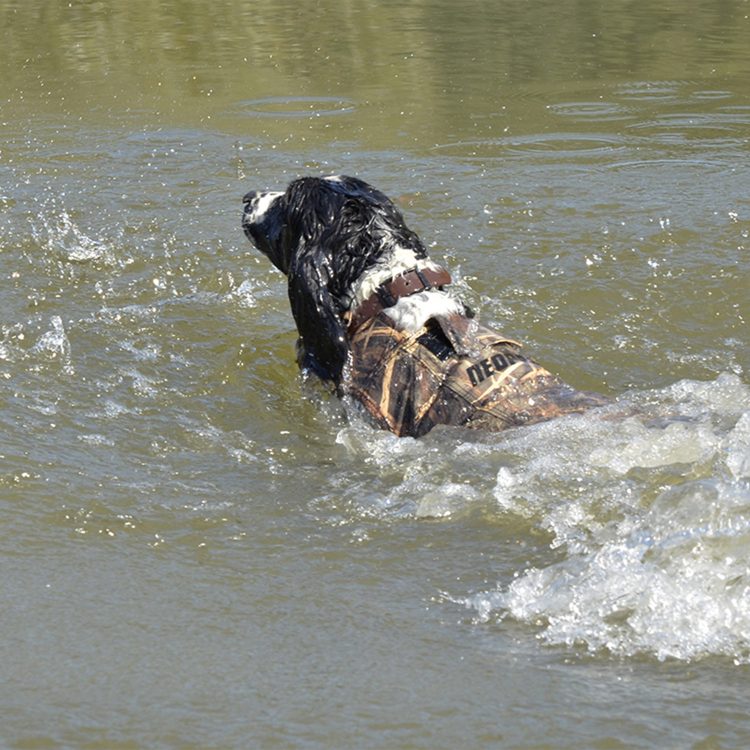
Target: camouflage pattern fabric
x=452, y=372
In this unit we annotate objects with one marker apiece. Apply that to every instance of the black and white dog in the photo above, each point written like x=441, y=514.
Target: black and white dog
x=375, y=319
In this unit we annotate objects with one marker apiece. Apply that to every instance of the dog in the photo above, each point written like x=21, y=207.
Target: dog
x=376, y=317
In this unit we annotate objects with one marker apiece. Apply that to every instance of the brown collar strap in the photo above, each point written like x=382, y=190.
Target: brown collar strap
x=391, y=291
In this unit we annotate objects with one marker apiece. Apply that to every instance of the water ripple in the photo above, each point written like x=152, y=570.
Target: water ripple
x=601, y=111
x=557, y=145
x=296, y=106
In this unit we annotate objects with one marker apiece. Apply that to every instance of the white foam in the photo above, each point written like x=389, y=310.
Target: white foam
x=737, y=447
x=647, y=516
x=654, y=519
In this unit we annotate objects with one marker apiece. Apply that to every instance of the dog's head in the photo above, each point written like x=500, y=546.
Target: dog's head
x=324, y=233
x=264, y=221
x=346, y=222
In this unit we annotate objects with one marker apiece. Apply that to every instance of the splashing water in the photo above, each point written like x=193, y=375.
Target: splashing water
x=55, y=344
x=646, y=505
x=653, y=518
x=59, y=233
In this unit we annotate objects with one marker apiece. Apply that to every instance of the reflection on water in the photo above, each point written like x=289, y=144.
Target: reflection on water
x=188, y=524
x=451, y=65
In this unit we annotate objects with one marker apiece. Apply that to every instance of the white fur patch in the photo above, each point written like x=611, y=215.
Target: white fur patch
x=411, y=313
x=260, y=204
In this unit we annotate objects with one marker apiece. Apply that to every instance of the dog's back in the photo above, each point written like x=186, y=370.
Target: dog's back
x=412, y=382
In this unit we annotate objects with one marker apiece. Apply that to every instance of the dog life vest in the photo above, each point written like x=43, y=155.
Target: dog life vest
x=453, y=371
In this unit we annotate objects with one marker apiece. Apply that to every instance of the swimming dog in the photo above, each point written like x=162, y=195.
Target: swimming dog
x=375, y=316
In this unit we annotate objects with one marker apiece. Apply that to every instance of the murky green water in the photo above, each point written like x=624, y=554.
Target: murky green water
x=201, y=551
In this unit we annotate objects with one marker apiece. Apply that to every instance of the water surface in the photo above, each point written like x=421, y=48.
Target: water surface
x=200, y=549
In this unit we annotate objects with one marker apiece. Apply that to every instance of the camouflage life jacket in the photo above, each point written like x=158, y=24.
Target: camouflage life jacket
x=455, y=372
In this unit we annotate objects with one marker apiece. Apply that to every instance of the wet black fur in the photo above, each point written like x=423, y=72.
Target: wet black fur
x=324, y=234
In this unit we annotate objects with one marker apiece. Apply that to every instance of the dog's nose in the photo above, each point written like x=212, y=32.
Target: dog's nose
x=248, y=197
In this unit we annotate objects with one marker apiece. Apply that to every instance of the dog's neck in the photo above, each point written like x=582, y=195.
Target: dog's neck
x=396, y=262
x=409, y=313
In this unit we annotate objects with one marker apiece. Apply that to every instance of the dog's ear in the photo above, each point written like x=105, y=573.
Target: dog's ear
x=324, y=337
